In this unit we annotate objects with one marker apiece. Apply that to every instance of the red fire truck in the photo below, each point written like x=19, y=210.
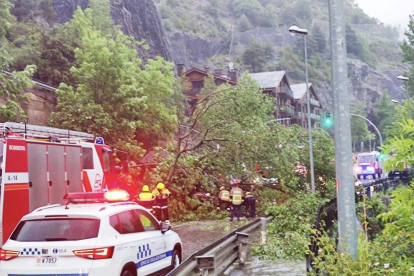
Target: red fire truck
x=39, y=165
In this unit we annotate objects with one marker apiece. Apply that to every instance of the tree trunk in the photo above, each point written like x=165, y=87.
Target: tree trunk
x=172, y=169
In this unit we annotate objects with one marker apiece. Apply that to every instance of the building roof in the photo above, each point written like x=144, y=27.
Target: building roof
x=268, y=79
x=224, y=78
x=299, y=90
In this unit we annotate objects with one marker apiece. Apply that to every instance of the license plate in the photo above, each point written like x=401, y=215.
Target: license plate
x=46, y=261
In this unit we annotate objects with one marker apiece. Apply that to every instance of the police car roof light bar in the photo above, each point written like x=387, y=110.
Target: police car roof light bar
x=88, y=197
x=97, y=197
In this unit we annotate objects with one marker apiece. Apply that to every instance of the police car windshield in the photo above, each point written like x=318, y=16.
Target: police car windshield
x=366, y=158
x=46, y=230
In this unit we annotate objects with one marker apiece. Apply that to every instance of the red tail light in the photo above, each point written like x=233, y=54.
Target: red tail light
x=6, y=255
x=95, y=253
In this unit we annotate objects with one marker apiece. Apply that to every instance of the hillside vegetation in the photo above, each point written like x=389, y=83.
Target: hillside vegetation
x=246, y=26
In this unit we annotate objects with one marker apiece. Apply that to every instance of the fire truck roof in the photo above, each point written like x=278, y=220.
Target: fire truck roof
x=10, y=128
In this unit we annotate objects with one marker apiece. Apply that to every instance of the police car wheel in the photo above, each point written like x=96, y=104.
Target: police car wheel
x=127, y=273
x=175, y=262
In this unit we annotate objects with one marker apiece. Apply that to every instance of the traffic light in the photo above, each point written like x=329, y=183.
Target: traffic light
x=328, y=120
x=381, y=156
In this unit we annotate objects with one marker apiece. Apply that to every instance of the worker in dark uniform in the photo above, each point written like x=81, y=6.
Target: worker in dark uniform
x=250, y=204
x=145, y=198
x=161, y=194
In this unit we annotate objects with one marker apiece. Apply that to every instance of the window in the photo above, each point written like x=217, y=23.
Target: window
x=106, y=160
x=70, y=229
x=148, y=222
x=126, y=222
x=87, y=158
x=366, y=158
x=198, y=84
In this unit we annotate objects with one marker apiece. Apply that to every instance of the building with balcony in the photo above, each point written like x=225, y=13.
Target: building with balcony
x=276, y=84
x=300, y=118
x=193, y=81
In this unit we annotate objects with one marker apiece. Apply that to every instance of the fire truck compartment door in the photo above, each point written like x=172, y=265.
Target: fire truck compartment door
x=38, y=190
x=57, y=185
x=74, y=169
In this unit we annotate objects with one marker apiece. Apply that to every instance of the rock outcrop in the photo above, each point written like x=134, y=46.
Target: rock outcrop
x=138, y=18
x=367, y=85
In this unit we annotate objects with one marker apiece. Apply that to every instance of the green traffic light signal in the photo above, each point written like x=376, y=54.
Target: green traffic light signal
x=328, y=120
x=382, y=156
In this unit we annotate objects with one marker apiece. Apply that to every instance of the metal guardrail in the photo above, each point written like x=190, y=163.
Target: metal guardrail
x=37, y=83
x=217, y=257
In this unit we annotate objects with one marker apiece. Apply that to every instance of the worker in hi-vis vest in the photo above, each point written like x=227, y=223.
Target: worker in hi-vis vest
x=145, y=198
x=236, y=196
x=161, y=194
x=223, y=198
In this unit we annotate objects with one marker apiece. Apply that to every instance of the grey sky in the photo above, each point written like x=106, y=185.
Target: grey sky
x=391, y=12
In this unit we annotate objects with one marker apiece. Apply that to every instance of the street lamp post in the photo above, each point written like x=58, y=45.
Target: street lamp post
x=294, y=30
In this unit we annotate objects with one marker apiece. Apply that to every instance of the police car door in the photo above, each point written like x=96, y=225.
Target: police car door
x=135, y=239
x=160, y=255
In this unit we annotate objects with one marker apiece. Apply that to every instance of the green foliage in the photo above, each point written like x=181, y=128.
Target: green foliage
x=400, y=217
x=359, y=127
x=385, y=111
x=368, y=210
x=11, y=89
x=357, y=46
x=5, y=17
x=29, y=10
x=257, y=54
x=24, y=39
x=319, y=37
x=101, y=16
x=57, y=55
x=386, y=255
x=400, y=146
x=402, y=113
x=289, y=231
x=408, y=55
x=251, y=8
x=113, y=97
x=244, y=23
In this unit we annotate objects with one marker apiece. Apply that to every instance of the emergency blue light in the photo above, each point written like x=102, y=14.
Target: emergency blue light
x=99, y=141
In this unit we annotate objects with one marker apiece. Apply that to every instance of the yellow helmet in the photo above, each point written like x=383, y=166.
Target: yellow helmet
x=145, y=188
x=248, y=193
x=222, y=188
x=160, y=186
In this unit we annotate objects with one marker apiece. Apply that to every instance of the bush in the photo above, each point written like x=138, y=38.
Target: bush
x=384, y=256
x=290, y=231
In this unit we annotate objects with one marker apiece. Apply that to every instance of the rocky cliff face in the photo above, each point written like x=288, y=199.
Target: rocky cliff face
x=138, y=18
x=367, y=85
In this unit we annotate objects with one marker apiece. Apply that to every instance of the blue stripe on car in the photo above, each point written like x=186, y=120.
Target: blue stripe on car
x=154, y=259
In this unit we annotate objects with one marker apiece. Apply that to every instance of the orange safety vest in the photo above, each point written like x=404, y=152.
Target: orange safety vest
x=224, y=195
x=237, y=196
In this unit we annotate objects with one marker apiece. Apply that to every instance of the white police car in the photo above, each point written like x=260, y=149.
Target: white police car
x=90, y=239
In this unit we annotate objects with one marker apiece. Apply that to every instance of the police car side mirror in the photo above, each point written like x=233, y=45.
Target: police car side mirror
x=164, y=227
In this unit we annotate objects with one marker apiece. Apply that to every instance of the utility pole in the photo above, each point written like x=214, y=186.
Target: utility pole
x=347, y=223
